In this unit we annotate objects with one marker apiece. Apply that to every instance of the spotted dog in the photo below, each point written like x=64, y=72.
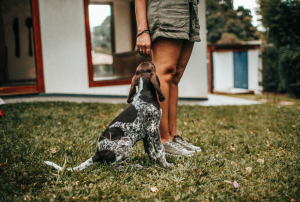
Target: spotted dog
x=139, y=121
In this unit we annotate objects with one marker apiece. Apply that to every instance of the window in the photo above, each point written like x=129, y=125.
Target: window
x=17, y=52
x=100, y=20
x=105, y=65
x=21, y=64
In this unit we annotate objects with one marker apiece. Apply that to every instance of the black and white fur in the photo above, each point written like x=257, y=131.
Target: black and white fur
x=139, y=121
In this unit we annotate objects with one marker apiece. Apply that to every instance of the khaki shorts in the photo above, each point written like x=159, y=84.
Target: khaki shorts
x=177, y=19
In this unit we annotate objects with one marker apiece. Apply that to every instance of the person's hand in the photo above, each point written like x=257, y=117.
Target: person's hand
x=143, y=44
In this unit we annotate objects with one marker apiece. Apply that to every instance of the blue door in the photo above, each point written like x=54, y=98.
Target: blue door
x=240, y=63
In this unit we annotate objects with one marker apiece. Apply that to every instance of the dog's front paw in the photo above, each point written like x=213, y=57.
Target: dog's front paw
x=169, y=165
x=138, y=167
x=151, y=157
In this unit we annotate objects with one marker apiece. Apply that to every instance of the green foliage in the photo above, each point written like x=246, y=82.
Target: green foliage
x=222, y=18
x=270, y=70
x=282, y=18
x=30, y=130
x=102, y=37
x=289, y=69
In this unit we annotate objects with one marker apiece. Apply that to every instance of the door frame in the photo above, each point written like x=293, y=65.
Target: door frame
x=40, y=86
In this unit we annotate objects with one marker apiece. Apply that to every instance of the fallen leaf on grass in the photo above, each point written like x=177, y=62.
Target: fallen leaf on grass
x=154, y=189
x=53, y=150
x=293, y=200
x=249, y=169
x=85, y=198
x=233, y=163
x=200, y=172
x=227, y=182
x=181, y=166
x=34, y=183
x=235, y=184
x=23, y=187
x=102, y=196
x=261, y=161
x=3, y=165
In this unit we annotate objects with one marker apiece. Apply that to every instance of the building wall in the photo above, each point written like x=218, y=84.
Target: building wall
x=64, y=50
x=254, y=67
x=223, y=71
x=194, y=83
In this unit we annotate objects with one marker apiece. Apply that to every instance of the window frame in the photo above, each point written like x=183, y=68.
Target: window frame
x=93, y=83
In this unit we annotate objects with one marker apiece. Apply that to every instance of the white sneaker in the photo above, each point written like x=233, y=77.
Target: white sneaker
x=176, y=149
x=188, y=146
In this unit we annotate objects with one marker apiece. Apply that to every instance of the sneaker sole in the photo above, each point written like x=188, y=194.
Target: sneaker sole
x=180, y=155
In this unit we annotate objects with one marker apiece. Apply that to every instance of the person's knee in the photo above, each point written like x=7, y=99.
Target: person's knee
x=177, y=77
x=167, y=73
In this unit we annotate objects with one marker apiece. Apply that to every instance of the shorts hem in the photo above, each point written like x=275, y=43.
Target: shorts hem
x=195, y=39
x=174, y=35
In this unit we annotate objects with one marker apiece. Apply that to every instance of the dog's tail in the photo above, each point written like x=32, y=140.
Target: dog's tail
x=82, y=166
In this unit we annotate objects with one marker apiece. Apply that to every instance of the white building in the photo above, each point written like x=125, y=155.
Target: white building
x=64, y=35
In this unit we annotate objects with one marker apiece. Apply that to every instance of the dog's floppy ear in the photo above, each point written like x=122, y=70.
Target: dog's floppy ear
x=155, y=81
x=134, y=82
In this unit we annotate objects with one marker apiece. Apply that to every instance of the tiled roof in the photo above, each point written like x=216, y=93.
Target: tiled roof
x=102, y=59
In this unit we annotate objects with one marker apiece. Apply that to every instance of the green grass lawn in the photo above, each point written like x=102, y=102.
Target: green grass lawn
x=29, y=130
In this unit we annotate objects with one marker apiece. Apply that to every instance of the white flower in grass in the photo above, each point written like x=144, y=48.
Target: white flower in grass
x=154, y=189
x=249, y=169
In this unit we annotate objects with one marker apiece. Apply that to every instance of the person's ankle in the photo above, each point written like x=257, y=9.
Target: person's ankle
x=163, y=141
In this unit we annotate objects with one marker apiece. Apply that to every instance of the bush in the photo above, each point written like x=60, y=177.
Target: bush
x=289, y=69
x=270, y=68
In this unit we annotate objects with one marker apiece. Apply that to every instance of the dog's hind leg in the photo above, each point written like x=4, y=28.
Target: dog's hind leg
x=122, y=148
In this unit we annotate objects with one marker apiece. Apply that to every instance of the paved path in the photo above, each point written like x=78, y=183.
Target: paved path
x=213, y=100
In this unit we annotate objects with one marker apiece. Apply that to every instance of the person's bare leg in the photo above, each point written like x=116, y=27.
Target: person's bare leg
x=184, y=57
x=165, y=55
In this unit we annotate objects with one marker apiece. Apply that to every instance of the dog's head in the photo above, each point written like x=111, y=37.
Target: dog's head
x=146, y=71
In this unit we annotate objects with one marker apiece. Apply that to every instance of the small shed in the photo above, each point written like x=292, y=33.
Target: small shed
x=235, y=68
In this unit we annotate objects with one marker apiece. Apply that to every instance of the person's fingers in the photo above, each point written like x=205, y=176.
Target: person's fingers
x=148, y=51
x=138, y=49
x=144, y=52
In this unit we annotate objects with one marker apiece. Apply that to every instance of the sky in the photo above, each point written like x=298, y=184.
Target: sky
x=251, y=5
x=98, y=13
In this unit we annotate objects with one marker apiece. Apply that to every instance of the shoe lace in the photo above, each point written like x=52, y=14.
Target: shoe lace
x=176, y=145
x=181, y=139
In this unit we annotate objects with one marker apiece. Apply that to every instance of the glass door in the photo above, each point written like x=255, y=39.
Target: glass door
x=17, y=50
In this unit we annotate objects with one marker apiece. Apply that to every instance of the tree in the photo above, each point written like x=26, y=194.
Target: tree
x=101, y=37
x=282, y=20
x=222, y=19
